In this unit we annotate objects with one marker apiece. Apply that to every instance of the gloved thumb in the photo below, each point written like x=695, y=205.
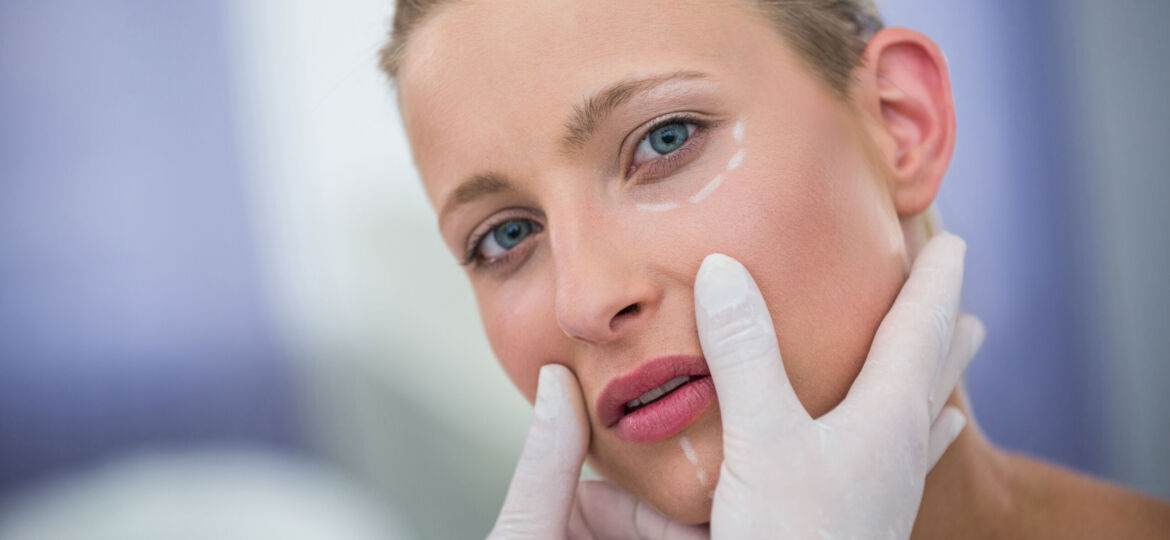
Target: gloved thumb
x=540, y=497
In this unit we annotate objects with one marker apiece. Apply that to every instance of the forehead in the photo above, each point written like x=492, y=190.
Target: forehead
x=490, y=80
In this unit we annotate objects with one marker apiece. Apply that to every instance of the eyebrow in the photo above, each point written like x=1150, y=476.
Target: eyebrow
x=592, y=112
x=583, y=123
x=480, y=185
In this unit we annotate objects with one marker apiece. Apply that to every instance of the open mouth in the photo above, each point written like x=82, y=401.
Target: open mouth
x=657, y=399
x=655, y=394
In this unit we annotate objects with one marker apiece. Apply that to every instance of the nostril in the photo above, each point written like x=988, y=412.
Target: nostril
x=631, y=309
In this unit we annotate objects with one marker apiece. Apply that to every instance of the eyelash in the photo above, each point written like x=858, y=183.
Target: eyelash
x=471, y=256
x=667, y=163
x=658, y=168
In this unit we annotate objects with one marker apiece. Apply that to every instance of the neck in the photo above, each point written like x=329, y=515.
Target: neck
x=968, y=493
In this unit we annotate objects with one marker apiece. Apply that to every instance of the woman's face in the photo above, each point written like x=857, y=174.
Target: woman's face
x=586, y=156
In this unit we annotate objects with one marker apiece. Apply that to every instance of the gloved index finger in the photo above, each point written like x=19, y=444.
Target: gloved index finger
x=739, y=343
x=912, y=341
x=541, y=494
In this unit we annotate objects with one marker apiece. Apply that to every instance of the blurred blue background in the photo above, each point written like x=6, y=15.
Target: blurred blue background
x=132, y=305
x=203, y=249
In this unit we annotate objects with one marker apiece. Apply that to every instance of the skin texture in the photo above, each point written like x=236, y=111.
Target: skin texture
x=803, y=210
x=818, y=210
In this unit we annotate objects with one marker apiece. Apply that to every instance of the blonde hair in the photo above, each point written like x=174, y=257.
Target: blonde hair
x=829, y=35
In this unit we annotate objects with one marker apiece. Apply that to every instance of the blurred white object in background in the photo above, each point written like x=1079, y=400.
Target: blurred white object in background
x=400, y=387
x=199, y=495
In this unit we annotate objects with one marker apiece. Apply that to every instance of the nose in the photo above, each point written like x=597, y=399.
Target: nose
x=604, y=289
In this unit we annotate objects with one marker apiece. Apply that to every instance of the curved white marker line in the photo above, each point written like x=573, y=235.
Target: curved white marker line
x=733, y=164
x=736, y=160
x=661, y=207
x=689, y=452
x=707, y=189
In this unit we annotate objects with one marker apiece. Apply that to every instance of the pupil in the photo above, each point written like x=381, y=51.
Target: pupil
x=668, y=138
x=513, y=232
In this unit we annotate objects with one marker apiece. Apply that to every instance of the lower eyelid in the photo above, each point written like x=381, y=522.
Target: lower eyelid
x=666, y=164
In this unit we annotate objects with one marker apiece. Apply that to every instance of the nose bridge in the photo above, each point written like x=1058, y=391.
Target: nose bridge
x=600, y=289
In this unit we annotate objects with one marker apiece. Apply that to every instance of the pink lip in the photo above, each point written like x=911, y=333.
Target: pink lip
x=668, y=415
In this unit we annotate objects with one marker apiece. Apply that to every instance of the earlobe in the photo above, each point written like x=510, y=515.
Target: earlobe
x=911, y=94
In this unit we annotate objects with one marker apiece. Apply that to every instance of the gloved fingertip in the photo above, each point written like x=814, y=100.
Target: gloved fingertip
x=722, y=283
x=958, y=421
x=550, y=400
x=955, y=239
x=979, y=333
x=943, y=248
x=944, y=432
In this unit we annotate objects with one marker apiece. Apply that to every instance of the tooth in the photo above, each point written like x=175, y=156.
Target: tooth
x=652, y=395
x=675, y=382
x=658, y=392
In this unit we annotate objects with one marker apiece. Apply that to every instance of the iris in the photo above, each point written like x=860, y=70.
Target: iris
x=510, y=233
x=668, y=138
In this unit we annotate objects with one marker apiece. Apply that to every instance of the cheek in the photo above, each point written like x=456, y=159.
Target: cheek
x=822, y=241
x=521, y=327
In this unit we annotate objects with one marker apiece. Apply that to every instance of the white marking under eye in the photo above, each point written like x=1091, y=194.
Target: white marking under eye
x=707, y=189
x=736, y=160
x=660, y=207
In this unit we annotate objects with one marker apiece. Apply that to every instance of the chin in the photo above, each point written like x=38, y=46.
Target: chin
x=688, y=506
x=664, y=475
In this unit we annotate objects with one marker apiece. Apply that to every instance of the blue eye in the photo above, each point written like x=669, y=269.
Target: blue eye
x=668, y=138
x=663, y=140
x=504, y=237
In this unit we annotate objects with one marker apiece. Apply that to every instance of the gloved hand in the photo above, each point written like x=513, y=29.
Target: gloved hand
x=856, y=472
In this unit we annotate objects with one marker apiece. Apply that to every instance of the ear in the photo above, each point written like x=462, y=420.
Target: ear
x=906, y=86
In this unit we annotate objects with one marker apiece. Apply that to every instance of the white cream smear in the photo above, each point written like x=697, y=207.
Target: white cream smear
x=732, y=164
x=660, y=207
x=689, y=452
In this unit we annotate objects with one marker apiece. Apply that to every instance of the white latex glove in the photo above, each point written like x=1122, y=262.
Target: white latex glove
x=856, y=472
x=859, y=470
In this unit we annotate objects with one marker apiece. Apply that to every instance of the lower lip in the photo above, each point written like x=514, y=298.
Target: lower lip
x=669, y=415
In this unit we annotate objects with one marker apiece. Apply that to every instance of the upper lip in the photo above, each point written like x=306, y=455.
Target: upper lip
x=648, y=376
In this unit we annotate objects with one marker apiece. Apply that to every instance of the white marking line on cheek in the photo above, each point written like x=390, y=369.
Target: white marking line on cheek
x=734, y=163
x=662, y=207
x=736, y=160
x=689, y=452
x=707, y=189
